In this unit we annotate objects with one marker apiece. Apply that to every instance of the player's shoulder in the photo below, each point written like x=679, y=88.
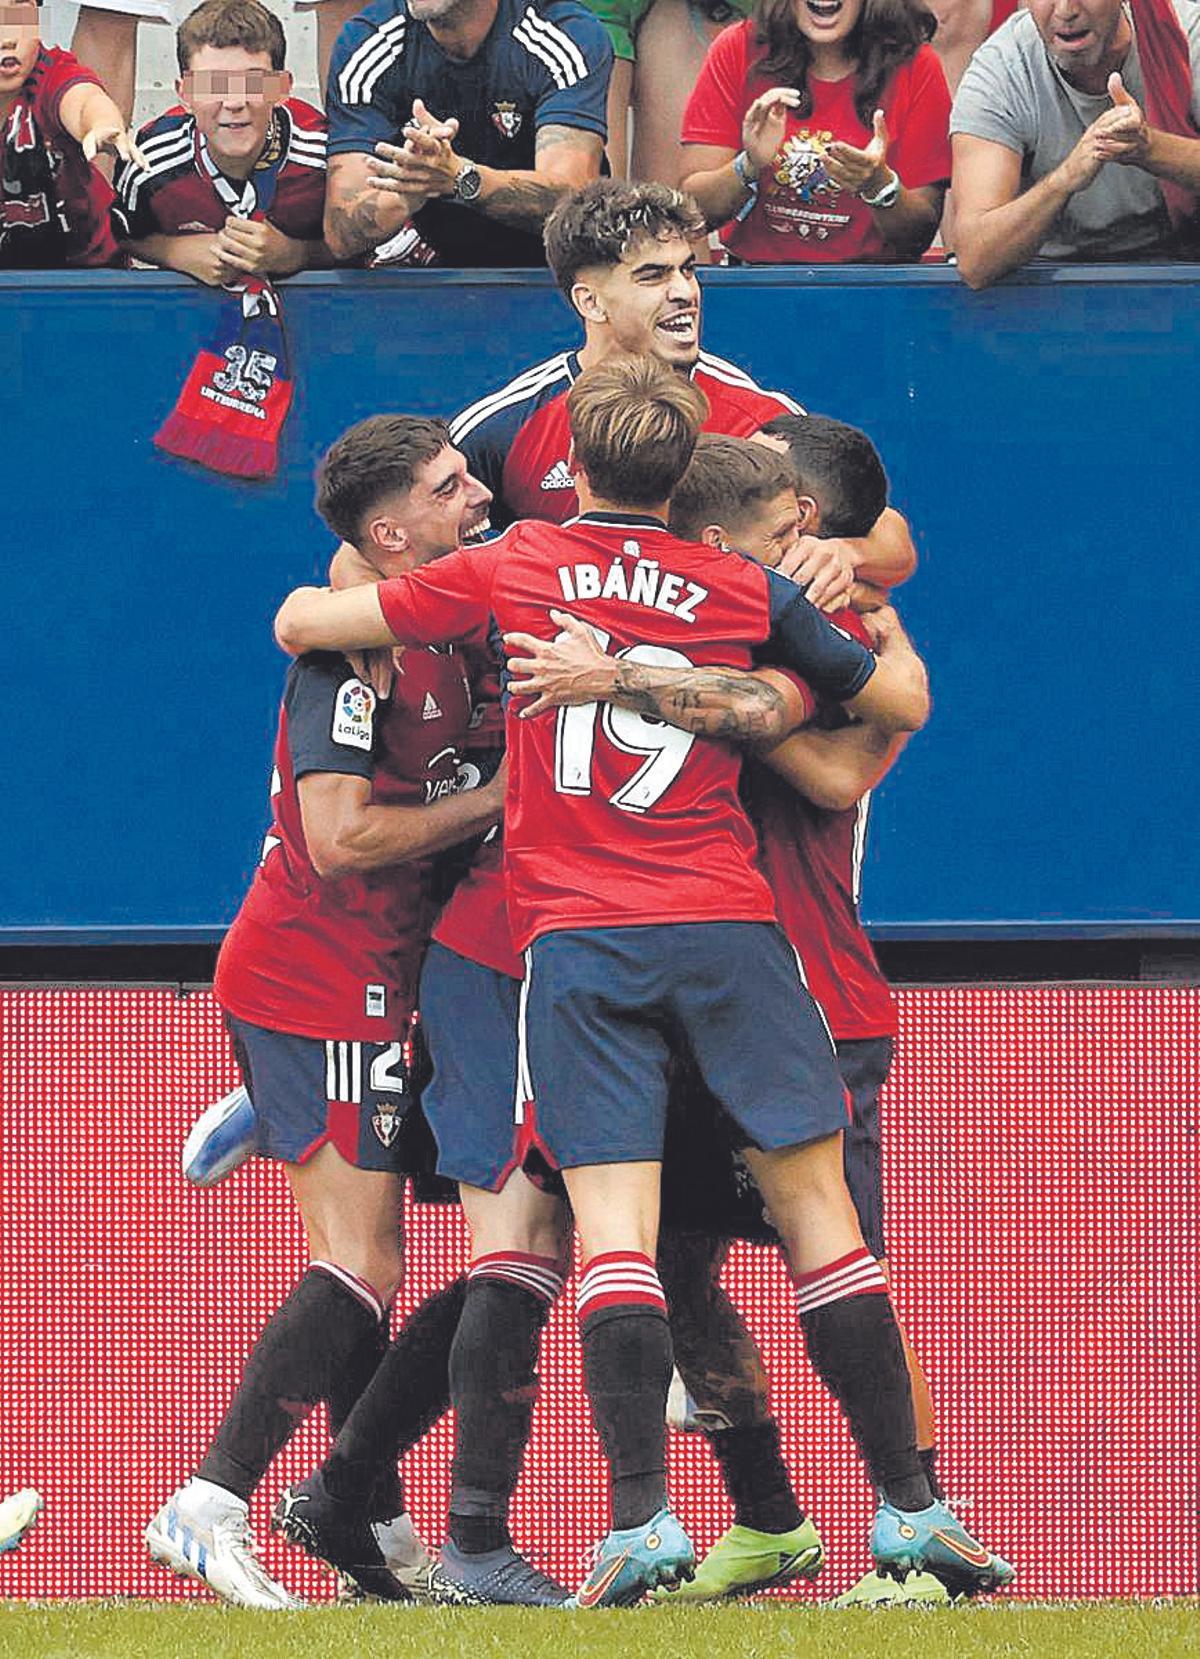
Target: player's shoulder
x=499, y=415
x=54, y=70
x=316, y=671
x=731, y=387
x=324, y=699
x=369, y=46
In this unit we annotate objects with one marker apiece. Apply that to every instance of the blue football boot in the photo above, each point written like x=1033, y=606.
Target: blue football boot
x=934, y=1541
x=630, y=1563
x=221, y=1140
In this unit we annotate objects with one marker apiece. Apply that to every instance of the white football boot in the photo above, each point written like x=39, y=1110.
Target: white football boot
x=203, y=1532
x=17, y=1515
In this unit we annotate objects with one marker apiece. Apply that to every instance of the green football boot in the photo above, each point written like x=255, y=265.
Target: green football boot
x=743, y=1561
x=876, y=1590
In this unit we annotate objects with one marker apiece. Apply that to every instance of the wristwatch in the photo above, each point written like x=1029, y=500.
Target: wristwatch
x=467, y=183
x=887, y=197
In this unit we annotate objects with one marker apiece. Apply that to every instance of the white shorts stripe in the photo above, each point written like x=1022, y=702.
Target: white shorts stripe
x=524, y=1084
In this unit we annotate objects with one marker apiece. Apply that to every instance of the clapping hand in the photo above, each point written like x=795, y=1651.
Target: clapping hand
x=765, y=123
x=861, y=171
x=425, y=165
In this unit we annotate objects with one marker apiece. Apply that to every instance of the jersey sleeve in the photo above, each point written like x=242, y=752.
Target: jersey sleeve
x=447, y=600
x=718, y=101
x=802, y=639
x=578, y=57
x=330, y=717
x=360, y=105
x=63, y=70
x=921, y=153
x=133, y=212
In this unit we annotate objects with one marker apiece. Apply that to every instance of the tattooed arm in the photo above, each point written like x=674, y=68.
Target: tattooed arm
x=760, y=707
x=359, y=214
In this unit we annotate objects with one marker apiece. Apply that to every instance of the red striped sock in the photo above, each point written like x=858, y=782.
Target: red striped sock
x=619, y=1278
x=855, y=1274
x=541, y=1276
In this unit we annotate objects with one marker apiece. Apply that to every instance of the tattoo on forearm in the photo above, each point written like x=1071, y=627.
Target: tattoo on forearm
x=354, y=222
x=525, y=201
x=708, y=701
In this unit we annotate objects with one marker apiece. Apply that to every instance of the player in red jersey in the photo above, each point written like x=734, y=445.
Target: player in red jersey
x=808, y=803
x=55, y=117
x=622, y=255
x=235, y=181
x=632, y=887
x=317, y=980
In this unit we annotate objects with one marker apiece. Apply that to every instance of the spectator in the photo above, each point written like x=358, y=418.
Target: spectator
x=1053, y=153
x=962, y=27
x=471, y=117
x=818, y=131
x=658, y=50
x=235, y=184
x=55, y=118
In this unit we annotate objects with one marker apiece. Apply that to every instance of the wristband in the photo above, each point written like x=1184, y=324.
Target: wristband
x=748, y=179
x=885, y=198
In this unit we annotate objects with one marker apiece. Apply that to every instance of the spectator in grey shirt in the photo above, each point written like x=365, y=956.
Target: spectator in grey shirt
x=1053, y=156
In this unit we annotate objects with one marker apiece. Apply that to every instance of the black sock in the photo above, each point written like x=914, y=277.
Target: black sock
x=351, y=1383
x=627, y=1362
x=493, y=1382
x=856, y=1350
x=756, y=1477
x=409, y=1391
x=928, y=1456
x=303, y=1347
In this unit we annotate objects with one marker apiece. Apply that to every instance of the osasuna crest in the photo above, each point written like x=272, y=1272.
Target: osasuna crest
x=386, y=1123
x=507, y=119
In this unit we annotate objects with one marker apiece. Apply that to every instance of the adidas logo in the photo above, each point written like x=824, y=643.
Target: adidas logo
x=558, y=478
x=430, y=708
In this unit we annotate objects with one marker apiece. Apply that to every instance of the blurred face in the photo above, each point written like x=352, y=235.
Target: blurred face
x=1080, y=34
x=434, y=11
x=20, y=37
x=768, y=534
x=445, y=507
x=232, y=93
x=650, y=302
x=827, y=22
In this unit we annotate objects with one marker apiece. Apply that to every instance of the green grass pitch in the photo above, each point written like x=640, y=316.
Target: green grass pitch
x=142, y=1631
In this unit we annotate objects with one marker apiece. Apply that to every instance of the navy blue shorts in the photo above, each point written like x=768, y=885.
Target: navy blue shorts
x=307, y=1092
x=469, y=1017
x=707, y=1187
x=603, y=1010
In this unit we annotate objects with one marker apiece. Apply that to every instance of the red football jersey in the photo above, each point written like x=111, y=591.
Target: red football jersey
x=613, y=820
x=339, y=957
x=54, y=205
x=813, y=860
x=518, y=441
x=183, y=190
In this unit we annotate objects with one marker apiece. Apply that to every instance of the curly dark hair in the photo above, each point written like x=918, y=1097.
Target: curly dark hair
x=887, y=34
x=599, y=224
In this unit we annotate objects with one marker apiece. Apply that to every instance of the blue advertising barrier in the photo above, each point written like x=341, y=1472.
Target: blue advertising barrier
x=1041, y=437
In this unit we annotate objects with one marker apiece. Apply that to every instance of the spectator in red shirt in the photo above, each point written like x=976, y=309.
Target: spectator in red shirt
x=818, y=131
x=55, y=118
x=235, y=182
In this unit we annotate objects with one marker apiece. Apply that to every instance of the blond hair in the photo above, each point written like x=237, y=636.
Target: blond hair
x=634, y=423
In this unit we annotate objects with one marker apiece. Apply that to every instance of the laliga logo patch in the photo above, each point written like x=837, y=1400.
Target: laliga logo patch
x=507, y=119
x=386, y=1124
x=353, y=715
x=800, y=166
